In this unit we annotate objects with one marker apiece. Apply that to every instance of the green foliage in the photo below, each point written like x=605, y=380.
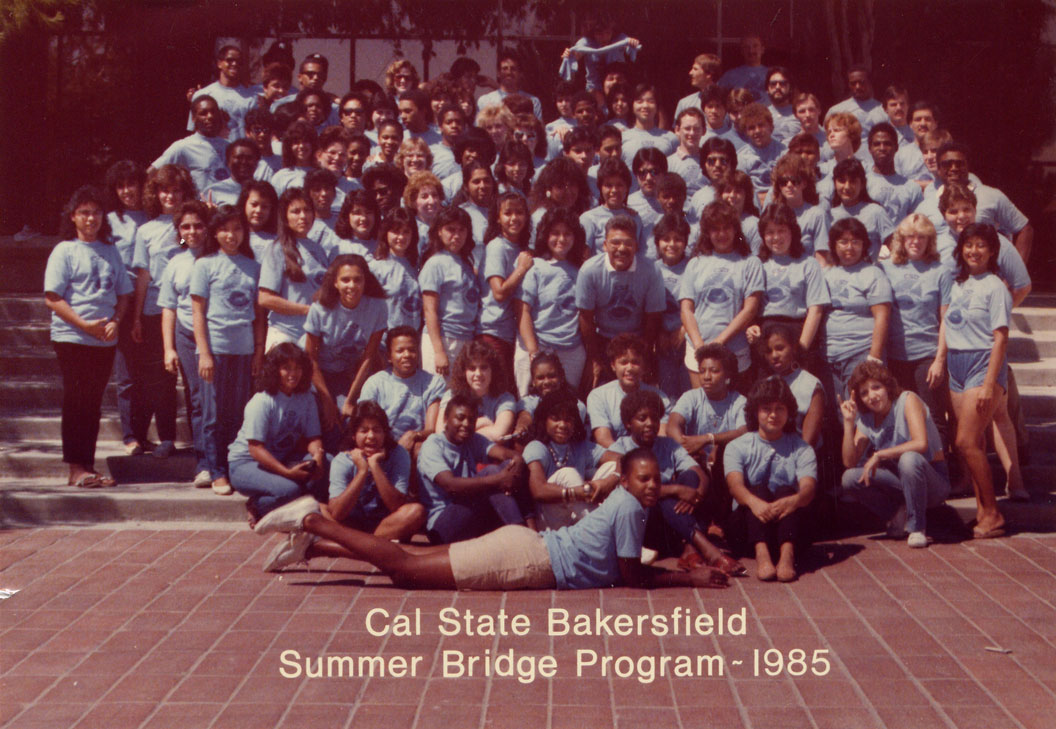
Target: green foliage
x=21, y=15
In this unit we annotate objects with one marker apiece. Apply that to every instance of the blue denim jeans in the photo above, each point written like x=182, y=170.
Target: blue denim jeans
x=198, y=412
x=922, y=485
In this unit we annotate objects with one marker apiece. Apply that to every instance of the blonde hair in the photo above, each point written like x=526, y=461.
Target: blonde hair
x=400, y=64
x=914, y=224
x=499, y=113
x=847, y=122
x=414, y=144
x=417, y=182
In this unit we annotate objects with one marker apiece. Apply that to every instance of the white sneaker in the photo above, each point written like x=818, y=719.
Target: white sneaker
x=288, y=517
x=222, y=488
x=917, y=540
x=203, y=480
x=290, y=551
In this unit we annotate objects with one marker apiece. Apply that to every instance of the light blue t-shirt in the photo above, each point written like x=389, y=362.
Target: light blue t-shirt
x=595, y=220
x=620, y=299
x=672, y=276
x=919, y=290
x=718, y=285
x=224, y=192
x=909, y=162
x=587, y=553
x=548, y=289
x=279, y=422
x=124, y=234
x=777, y=463
x=793, y=286
x=496, y=317
x=688, y=168
x=157, y=242
x=635, y=139
x=229, y=286
x=458, y=293
x=236, y=101
x=786, y=125
x=314, y=262
x=1010, y=266
x=490, y=405
x=89, y=277
x=814, y=226
x=175, y=288
x=529, y=403
x=494, y=98
x=289, y=177
x=671, y=457
x=369, y=506
x=259, y=243
x=404, y=400
x=978, y=306
x=758, y=163
x=603, y=406
x=849, y=324
x=344, y=333
x=894, y=429
x=582, y=456
x=699, y=200
x=478, y=217
x=898, y=196
x=437, y=455
x=204, y=157
x=400, y=282
x=752, y=78
x=704, y=415
x=869, y=113
x=875, y=220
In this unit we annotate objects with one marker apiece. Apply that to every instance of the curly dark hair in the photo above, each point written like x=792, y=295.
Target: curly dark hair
x=623, y=343
x=781, y=329
x=869, y=370
x=478, y=351
x=850, y=168
x=167, y=176
x=857, y=229
x=989, y=236
x=448, y=216
x=280, y=354
x=199, y=208
x=579, y=251
x=368, y=410
x=640, y=399
x=327, y=294
x=560, y=402
x=557, y=172
x=545, y=357
x=720, y=352
x=715, y=216
x=85, y=194
x=765, y=391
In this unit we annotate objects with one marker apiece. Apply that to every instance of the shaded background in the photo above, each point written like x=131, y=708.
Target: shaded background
x=85, y=83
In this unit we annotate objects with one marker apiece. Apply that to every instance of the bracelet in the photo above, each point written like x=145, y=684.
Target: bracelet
x=871, y=358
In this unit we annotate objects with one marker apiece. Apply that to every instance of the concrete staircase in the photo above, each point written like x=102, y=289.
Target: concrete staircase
x=33, y=477
x=32, y=474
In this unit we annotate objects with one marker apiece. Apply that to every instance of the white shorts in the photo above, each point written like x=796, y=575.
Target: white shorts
x=512, y=557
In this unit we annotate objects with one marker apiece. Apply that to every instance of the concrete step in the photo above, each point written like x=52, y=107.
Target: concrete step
x=33, y=333
x=29, y=393
x=1039, y=515
x=43, y=459
x=1033, y=319
x=1039, y=401
x=46, y=424
x=23, y=264
x=23, y=307
x=1031, y=347
x=1042, y=372
x=44, y=501
x=29, y=360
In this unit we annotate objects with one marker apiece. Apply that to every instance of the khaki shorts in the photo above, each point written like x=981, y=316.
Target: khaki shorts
x=512, y=557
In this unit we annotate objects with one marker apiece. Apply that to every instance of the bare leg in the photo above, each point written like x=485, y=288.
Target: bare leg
x=971, y=425
x=426, y=570
x=786, y=563
x=402, y=523
x=764, y=566
x=1006, y=445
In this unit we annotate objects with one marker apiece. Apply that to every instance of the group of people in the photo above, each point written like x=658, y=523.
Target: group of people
x=559, y=350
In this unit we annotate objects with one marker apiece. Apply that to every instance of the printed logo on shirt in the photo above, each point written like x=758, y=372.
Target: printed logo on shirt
x=317, y=278
x=411, y=304
x=100, y=277
x=472, y=294
x=717, y=288
x=622, y=304
x=567, y=305
x=955, y=318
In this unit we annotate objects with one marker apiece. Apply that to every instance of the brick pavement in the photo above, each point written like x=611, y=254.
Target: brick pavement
x=168, y=628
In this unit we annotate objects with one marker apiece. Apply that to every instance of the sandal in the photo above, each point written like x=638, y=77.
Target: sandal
x=994, y=533
x=86, y=481
x=691, y=561
x=105, y=481
x=730, y=566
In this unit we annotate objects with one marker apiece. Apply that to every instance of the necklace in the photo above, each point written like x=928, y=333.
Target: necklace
x=558, y=461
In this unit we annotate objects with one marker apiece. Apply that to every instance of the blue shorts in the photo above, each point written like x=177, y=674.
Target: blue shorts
x=968, y=369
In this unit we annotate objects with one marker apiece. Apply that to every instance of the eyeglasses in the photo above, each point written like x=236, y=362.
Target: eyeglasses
x=647, y=172
x=716, y=160
x=782, y=181
x=963, y=163
x=776, y=82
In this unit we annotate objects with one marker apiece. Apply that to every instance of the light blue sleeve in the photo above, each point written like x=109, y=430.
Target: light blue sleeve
x=257, y=415
x=139, y=252
x=342, y=471
x=806, y=462
x=817, y=291
x=536, y=451
x=431, y=277
x=273, y=269
x=199, y=280
x=683, y=461
x=1000, y=307
x=398, y=469
x=628, y=526
x=431, y=461
x=495, y=261
x=167, y=291
x=313, y=323
x=1011, y=267
x=686, y=407
x=945, y=286
x=736, y=457
x=598, y=410
x=506, y=403
x=753, y=278
x=434, y=392
x=586, y=290
x=879, y=289
x=656, y=294
x=310, y=420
